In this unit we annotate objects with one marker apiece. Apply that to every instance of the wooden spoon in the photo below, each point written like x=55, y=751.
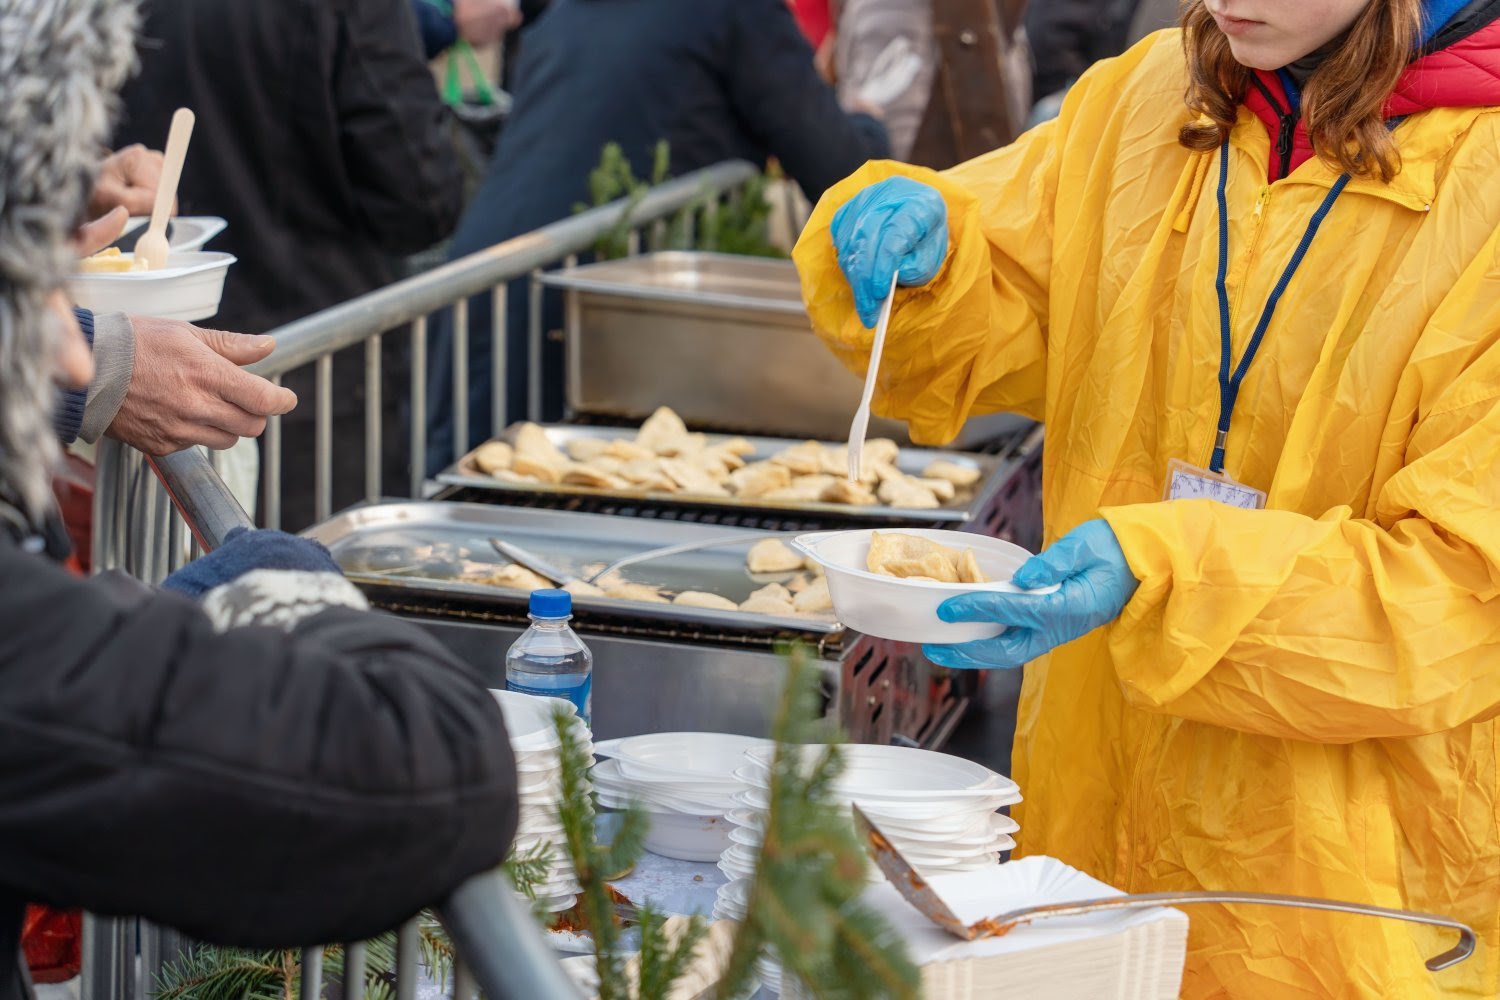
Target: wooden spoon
x=152, y=247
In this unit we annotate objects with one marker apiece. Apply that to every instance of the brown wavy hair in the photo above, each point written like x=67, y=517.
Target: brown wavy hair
x=1342, y=102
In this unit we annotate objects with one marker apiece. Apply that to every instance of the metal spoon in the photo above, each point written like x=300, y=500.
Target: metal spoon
x=915, y=889
x=152, y=246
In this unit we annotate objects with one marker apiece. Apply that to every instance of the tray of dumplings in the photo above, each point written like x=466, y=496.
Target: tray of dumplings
x=735, y=580
x=664, y=462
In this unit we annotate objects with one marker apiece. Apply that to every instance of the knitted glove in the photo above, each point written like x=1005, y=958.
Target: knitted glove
x=246, y=550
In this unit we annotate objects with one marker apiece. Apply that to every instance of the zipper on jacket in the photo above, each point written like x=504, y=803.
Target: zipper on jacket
x=1286, y=128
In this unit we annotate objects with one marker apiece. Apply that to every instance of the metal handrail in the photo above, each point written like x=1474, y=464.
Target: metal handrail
x=303, y=341
x=496, y=937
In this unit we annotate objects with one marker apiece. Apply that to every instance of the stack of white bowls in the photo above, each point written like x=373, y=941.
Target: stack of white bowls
x=938, y=810
x=684, y=781
x=533, y=738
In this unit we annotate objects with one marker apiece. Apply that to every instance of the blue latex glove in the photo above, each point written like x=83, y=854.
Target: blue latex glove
x=1095, y=585
x=898, y=226
x=245, y=550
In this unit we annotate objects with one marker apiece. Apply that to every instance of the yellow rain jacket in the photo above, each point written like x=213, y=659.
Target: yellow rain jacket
x=1299, y=699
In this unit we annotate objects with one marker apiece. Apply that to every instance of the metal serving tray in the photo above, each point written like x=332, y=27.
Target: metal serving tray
x=723, y=339
x=375, y=545
x=964, y=507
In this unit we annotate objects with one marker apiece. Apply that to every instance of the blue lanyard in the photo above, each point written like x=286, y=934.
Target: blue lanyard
x=1230, y=380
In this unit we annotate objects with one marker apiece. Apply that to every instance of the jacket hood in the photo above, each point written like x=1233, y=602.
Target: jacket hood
x=1458, y=67
x=60, y=63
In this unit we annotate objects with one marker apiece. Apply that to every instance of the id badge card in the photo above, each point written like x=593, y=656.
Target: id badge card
x=1189, y=482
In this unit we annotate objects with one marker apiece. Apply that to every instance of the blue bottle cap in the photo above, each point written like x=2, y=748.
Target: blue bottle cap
x=551, y=604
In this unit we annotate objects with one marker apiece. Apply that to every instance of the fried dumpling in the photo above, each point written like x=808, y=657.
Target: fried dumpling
x=805, y=459
x=774, y=592
x=772, y=556
x=636, y=592
x=628, y=451
x=586, y=449
x=701, y=599
x=539, y=468
x=958, y=475
x=759, y=478
x=738, y=446
x=772, y=599
x=494, y=456
x=691, y=478
x=940, y=488
x=843, y=491
x=815, y=599
x=914, y=557
x=803, y=489
x=763, y=604
x=968, y=568
x=519, y=578
x=663, y=432
x=903, y=491
x=533, y=442
x=582, y=588
x=585, y=474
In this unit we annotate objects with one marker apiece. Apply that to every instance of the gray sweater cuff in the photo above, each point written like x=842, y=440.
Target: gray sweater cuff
x=114, y=364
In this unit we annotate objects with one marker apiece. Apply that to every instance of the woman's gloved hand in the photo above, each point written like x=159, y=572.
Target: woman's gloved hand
x=1095, y=584
x=245, y=550
x=898, y=226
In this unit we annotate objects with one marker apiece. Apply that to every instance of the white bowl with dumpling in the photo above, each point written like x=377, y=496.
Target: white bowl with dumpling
x=896, y=594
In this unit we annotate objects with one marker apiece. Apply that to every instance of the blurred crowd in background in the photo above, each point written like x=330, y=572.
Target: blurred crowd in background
x=384, y=136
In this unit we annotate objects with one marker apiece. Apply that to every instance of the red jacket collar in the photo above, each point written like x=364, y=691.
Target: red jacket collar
x=1465, y=74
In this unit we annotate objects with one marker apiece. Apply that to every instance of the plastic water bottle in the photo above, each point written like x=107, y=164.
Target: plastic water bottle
x=549, y=659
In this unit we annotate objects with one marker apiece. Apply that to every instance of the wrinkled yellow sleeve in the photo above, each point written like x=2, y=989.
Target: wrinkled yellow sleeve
x=973, y=339
x=1331, y=629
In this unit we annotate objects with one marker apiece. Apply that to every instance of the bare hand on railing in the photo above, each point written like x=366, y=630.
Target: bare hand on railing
x=187, y=388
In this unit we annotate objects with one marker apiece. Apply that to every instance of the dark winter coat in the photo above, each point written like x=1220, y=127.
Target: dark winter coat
x=254, y=786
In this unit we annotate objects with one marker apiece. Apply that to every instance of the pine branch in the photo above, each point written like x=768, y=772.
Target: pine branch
x=802, y=901
x=591, y=862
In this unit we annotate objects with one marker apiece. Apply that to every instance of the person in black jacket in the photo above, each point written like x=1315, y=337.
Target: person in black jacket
x=717, y=79
x=322, y=140
x=250, y=757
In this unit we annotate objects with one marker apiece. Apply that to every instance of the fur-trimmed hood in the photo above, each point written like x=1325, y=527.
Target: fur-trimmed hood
x=61, y=62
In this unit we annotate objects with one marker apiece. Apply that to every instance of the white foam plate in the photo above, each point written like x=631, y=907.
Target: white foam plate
x=906, y=610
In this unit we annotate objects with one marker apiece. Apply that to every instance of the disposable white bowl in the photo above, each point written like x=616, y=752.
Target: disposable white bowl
x=900, y=773
x=906, y=610
x=616, y=792
x=184, y=232
x=687, y=838
x=188, y=288
x=680, y=756
x=528, y=722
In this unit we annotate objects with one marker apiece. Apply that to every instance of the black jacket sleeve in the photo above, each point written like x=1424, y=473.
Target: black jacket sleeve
x=397, y=149
x=252, y=787
x=778, y=94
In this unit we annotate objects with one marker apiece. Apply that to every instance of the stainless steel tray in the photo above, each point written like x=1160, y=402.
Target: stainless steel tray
x=723, y=339
x=964, y=507
x=375, y=546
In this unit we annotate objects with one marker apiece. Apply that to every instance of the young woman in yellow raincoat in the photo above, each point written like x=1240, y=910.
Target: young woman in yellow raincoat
x=1279, y=304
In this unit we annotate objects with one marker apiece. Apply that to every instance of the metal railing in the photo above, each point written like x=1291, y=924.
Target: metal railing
x=134, y=526
x=500, y=947
x=151, y=516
